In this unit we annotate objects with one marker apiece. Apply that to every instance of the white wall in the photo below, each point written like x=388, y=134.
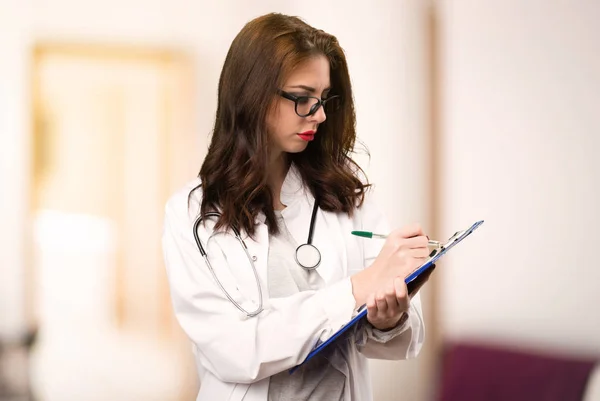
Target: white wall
x=521, y=132
x=14, y=167
x=387, y=63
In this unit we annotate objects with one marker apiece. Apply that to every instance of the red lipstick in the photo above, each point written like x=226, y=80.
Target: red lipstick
x=307, y=135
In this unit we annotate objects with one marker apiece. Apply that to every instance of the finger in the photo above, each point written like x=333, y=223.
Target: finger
x=420, y=241
x=390, y=297
x=371, y=305
x=411, y=230
x=412, y=259
x=420, y=253
x=381, y=302
x=401, y=293
x=410, y=243
x=400, y=289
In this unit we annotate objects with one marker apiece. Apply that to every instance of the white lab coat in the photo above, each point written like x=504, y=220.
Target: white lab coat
x=235, y=355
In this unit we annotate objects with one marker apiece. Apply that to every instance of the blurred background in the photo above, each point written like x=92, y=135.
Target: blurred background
x=470, y=110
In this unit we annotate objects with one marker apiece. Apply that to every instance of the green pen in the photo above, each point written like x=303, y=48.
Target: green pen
x=368, y=234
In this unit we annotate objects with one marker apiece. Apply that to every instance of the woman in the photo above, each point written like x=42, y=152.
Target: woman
x=277, y=164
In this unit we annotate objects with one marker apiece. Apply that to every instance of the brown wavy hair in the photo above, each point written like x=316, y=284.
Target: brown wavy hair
x=233, y=174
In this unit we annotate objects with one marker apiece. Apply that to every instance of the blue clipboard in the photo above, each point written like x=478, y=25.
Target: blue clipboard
x=362, y=311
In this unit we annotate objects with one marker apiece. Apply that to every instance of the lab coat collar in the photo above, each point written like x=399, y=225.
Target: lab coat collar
x=292, y=188
x=293, y=194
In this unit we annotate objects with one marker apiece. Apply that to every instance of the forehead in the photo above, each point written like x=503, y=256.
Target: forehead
x=313, y=73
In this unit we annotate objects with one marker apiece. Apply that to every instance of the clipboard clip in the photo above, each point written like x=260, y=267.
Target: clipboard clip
x=454, y=237
x=459, y=235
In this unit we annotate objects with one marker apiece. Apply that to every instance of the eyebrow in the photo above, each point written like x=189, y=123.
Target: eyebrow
x=308, y=88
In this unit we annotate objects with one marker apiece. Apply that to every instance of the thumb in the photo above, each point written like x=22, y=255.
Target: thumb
x=411, y=230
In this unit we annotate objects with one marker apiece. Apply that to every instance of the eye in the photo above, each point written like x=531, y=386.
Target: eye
x=303, y=100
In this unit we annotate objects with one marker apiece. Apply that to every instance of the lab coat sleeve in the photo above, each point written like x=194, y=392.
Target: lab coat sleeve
x=232, y=346
x=401, y=342
x=404, y=341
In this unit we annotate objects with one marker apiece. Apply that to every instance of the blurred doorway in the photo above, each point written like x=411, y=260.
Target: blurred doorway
x=113, y=137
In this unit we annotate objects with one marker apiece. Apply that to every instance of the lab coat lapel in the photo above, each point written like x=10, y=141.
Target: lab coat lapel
x=299, y=203
x=328, y=238
x=297, y=215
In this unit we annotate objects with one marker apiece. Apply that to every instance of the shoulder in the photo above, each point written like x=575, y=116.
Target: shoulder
x=184, y=203
x=370, y=213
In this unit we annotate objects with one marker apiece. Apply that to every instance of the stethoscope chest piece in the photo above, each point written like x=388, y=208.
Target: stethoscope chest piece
x=308, y=256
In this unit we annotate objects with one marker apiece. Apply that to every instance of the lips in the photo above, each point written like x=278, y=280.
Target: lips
x=307, y=135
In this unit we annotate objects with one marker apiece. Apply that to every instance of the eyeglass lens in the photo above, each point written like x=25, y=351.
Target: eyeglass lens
x=306, y=106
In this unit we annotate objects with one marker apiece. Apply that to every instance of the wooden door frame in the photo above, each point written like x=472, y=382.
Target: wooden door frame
x=170, y=58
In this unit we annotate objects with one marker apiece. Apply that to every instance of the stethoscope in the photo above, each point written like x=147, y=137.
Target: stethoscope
x=307, y=256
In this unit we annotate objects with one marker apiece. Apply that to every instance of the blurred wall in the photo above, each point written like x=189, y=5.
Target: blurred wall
x=517, y=138
x=14, y=168
x=520, y=133
x=385, y=43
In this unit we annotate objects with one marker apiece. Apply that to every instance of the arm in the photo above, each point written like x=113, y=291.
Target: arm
x=401, y=342
x=230, y=345
x=405, y=339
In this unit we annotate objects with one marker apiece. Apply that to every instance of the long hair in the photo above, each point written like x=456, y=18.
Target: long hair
x=233, y=175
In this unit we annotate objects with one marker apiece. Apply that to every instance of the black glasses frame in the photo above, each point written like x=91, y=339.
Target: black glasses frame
x=314, y=108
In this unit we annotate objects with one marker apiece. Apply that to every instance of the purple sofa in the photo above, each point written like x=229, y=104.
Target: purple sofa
x=472, y=372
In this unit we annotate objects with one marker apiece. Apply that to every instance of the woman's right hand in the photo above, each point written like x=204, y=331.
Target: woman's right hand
x=404, y=251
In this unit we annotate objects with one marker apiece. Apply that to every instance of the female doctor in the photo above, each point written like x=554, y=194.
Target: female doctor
x=261, y=262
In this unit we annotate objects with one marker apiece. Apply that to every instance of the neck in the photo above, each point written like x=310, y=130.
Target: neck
x=278, y=167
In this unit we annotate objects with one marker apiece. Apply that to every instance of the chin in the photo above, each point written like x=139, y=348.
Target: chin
x=296, y=148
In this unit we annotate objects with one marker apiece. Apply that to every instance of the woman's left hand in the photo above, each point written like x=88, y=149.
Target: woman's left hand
x=388, y=306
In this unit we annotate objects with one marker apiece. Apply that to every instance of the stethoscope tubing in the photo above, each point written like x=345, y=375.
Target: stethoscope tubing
x=259, y=309
x=236, y=232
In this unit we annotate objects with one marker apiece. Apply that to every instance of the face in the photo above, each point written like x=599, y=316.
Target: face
x=289, y=132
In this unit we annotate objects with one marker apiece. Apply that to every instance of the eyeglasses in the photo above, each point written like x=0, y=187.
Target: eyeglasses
x=308, y=105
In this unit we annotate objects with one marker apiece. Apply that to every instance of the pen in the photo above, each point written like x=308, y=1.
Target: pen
x=368, y=234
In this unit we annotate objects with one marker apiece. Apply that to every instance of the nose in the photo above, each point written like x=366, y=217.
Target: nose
x=319, y=115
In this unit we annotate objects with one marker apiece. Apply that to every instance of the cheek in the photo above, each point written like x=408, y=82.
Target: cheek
x=281, y=123
x=274, y=127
